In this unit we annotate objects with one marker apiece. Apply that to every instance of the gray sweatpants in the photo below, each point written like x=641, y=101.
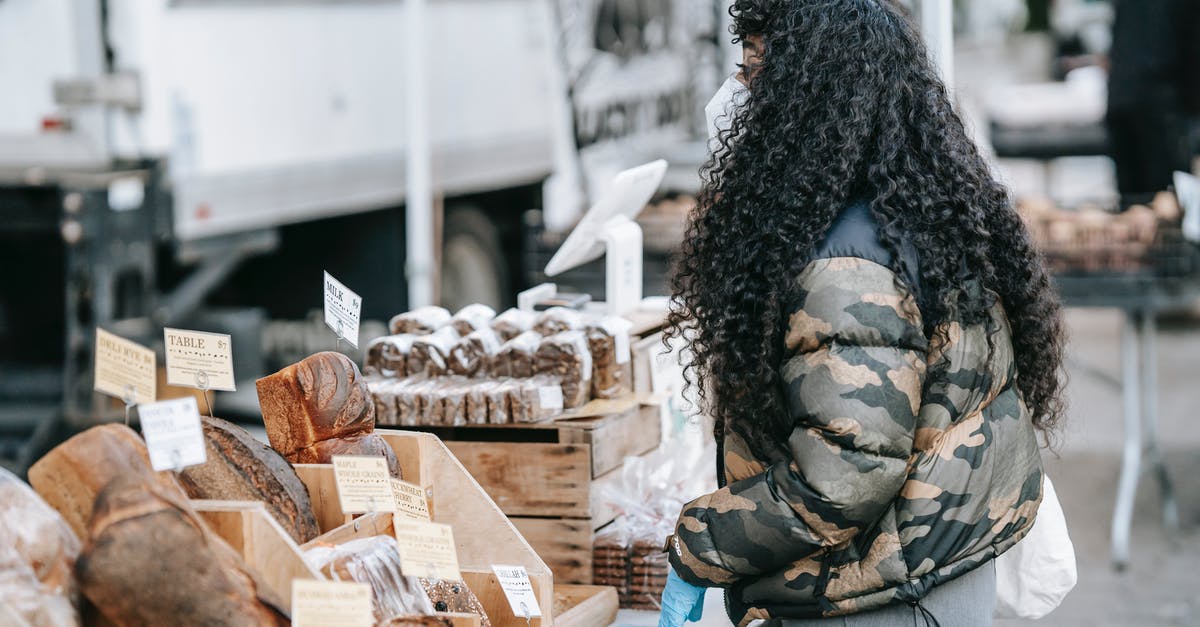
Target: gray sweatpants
x=968, y=601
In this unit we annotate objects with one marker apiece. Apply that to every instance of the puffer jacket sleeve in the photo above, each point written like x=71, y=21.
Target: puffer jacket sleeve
x=852, y=377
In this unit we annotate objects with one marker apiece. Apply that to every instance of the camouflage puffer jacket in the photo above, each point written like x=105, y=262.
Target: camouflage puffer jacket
x=912, y=461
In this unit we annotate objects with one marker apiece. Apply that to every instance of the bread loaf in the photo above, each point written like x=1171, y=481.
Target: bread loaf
x=37, y=555
x=566, y=357
x=388, y=355
x=455, y=596
x=241, y=468
x=516, y=356
x=557, y=320
x=512, y=323
x=319, y=398
x=472, y=318
x=374, y=561
x=608, y=343
x=422, y=321
x=430, y=354
x=71, y=475
x=473, y=354
x=364, y=444
x=151, y=561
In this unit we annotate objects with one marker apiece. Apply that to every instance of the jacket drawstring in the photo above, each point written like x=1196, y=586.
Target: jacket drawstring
x=930, y=619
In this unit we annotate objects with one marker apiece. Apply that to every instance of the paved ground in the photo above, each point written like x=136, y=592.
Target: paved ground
x=1162, y=584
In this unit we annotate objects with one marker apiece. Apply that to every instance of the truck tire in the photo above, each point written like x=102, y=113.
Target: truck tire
x=473, y=265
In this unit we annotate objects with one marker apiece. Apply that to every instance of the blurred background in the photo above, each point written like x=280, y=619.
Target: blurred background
x=198, y=163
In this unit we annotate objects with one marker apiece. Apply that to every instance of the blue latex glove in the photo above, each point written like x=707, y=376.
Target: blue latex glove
x=681, y=602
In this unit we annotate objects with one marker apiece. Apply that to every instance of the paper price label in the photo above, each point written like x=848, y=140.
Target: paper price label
x=411, y=502
x=174, y=437
x=427, y=550
x=619, y=329
x=124, y=369
x=364, y=484
x=343, y=309
x=331, y=604
x=200, y=360
x=518, y=590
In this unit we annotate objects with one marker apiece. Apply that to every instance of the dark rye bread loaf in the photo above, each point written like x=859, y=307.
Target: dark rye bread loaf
x=151, y=561
x=241, y=468
x=321, y=397
x=70, y=476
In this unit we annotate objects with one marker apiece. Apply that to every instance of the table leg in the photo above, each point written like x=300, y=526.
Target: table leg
x=1154, y=456
x=1131, y=458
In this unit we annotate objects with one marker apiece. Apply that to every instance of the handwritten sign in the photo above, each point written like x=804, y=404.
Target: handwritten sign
x=411, y=502
x=427, y=550
x=364, y=484
x=124, y=369
x=343, y=309
x=331, y=604
x=174, y=437
x=518, y=590
x=199, y=360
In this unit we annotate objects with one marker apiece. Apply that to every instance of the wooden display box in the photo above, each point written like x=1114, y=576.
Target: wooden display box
x=550, y=478
x=483, y=535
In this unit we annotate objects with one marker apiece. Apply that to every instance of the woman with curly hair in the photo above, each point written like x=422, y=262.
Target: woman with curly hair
x=871, y=330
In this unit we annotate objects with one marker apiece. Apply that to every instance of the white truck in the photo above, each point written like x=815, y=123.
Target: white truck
x=157, y=155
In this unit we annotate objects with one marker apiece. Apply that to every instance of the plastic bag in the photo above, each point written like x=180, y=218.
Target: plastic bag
x=536, y=399
x=383, y=394
x=374, y=561
x=512, y=323
x=557, y=320
x=388, y=355
x=516, y=356
x=37, y=557
x=454, y=401
x=473, y=354
x=472, y=318
x=430, y=354
x=422, y=321
x=1035, y=575
x=498, y=402
x=608, y=343
x=566, y=356
x=477, y=402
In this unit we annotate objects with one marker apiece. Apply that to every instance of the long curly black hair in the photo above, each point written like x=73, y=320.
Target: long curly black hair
x=846, y=104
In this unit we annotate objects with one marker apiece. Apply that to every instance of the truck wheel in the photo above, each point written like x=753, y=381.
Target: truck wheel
x=473, y=268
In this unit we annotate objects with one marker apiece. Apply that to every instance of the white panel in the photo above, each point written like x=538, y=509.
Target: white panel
x=36, y=46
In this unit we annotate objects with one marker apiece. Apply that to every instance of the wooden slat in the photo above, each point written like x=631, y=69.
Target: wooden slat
x=586, y=606
x=265, y=546
x=565, y=544
x=365, y=526
x=322, y=491
x=460, y=619
x=633, y=432
x=526, y=479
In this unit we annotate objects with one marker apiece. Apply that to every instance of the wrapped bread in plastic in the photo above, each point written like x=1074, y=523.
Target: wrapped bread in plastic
x=516, y=356
x=383, y=394
x=557, y=320
x=422, y=321
x=388, y=355
x=429, y=399
x=374, y=561
x=474, y=353
x=454, y=402
x=472, y=318
x=455, y=596
x=498, y=402
x=477, y=402
x=430, y=354
x=566, y=357
x=536, y=399
x=608, y=343
x=37, y=556
x=512, y=323
x=408, y=401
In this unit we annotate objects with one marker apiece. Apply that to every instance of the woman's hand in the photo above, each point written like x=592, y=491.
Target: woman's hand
x=681, y=602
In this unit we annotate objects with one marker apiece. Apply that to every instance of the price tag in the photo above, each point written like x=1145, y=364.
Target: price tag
x=343, y=309
x=411, y=502
x=619, y=329
x=124, y=369
x=364, y=484
x=519, y=590
x=331, y=604
x=427, y=550
x=174, y=437
x=200, y=360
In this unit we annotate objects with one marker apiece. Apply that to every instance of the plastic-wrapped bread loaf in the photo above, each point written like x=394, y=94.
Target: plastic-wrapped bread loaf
x=455, y=596
x=566, y=357
x=472, y=318
x=408, y=401
x=536, y=399
x=430, y=354
x=319, y=398
x=37, y=556
x=557, y=320
x=388, y=355
x=383, y=394
x=429, y=408
x=474, y=353
x=422, y=321
x=608, y=343
x=498, y=402
x=477, y=402
x=149, y=557
x=512, y=323
x=516, y=356
x=241, y=468
x=454, y=402
x=374, y=561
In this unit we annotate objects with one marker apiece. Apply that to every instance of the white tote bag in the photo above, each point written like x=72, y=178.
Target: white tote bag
x=1035, y=575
